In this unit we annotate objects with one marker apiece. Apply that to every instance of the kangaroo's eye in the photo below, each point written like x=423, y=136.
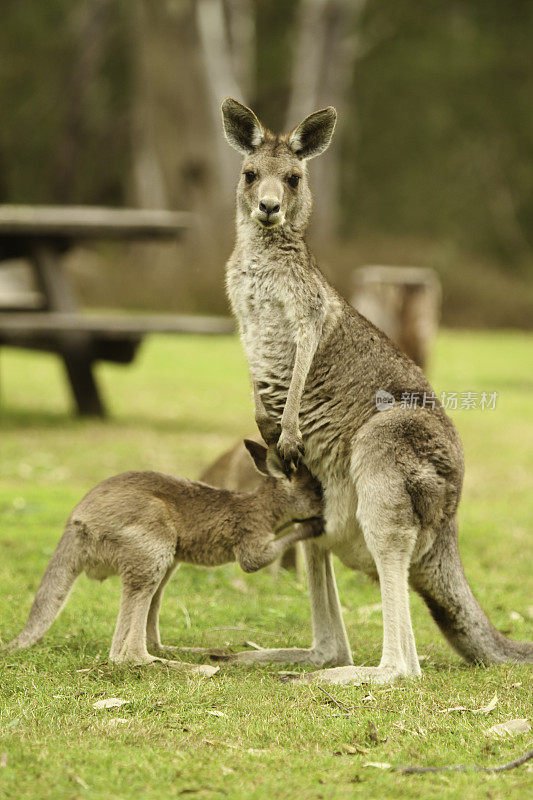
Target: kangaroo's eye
x=249, y=176
x=293, y=181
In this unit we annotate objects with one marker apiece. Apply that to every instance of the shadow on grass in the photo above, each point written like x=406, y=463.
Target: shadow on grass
x=17, y=419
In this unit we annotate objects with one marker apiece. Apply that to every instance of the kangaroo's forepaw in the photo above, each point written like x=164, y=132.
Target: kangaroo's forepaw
x=290, y=449
x=269, y=430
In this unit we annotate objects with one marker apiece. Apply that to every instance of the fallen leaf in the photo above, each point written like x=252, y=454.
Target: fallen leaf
x=78, y=780
x=115, y=721
x=215, y=713
x=226, y=770
x=253, y=645
x=513, y=727
x=453, y=708
x=516, y=616
x=205, y=670
x=419, y=732
x=254, y=752
x=110, y=702
x=3, y=760
x=216, y=743
x=491, y=705
x=352, y=750
x=377, y=764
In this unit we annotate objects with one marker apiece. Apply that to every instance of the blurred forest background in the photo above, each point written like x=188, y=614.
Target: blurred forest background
x=117, y=102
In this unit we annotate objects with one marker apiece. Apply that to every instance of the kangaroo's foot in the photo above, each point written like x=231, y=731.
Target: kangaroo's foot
x=141, y=659
x=353, y=676
x=204, y=652
x=203, y=670
x=290, y=655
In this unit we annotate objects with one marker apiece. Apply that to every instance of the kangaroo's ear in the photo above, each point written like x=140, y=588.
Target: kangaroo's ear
x=312, y=136
x=243, y=130
x=259, y=455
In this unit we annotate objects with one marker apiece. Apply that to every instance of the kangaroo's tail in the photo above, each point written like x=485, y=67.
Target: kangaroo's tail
x=57, y=581
x=441, y=582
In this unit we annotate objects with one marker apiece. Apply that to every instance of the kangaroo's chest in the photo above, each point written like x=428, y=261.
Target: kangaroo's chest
x=267, y=312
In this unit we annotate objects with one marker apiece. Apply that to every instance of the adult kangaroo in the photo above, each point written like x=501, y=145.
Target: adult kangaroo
x=391, y=479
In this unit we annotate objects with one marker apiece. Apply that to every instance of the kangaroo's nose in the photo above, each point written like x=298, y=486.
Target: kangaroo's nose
x=269, y=206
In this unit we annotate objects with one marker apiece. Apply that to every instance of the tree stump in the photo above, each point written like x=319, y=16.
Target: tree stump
x=404, y=302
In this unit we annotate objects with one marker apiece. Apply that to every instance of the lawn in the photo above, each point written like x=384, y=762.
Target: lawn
x=244, y=733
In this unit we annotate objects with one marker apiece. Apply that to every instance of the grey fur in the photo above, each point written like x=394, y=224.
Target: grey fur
x=233, y=470
x=392, y=480
x=142, y=525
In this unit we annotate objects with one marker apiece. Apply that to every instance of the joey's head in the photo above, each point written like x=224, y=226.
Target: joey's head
x=273, y=189
x=297, y=496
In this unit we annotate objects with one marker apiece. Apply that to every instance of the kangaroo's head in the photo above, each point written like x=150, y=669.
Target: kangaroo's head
x=273, y=189
x=297, y=495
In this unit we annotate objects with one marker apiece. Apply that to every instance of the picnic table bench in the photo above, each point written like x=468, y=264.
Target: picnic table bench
x=52, y=321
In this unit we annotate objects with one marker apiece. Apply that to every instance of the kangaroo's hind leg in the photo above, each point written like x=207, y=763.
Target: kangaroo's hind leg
x=330, y=644
x=129, y=639
x=390, y=529
x=344, y=652
x=144, y=567
x=153, y=637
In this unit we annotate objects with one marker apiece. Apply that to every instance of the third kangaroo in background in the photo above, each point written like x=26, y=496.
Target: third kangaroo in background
x=392, y=479
x=141, y=525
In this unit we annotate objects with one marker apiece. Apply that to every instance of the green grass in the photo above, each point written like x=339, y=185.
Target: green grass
x=182, y=402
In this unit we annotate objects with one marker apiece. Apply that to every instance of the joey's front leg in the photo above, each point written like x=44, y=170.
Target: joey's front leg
x=253, y=556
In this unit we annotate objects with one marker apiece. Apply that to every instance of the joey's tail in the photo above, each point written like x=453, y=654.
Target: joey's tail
x=441, y=582
x=57, y=581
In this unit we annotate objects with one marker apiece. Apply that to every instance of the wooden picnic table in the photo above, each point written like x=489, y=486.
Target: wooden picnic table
x=42, y=235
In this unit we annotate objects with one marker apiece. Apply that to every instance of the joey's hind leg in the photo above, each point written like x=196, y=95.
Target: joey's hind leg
x=143, y=579
x=129, y=639
x=153, y=638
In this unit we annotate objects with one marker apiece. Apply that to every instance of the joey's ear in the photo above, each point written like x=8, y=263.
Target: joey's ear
x=275, y=466
x=243, y=130
x=312, y=136
x=259, y=455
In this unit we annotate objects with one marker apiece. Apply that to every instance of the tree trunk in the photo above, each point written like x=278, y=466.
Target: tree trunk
x=184, y=70
x=325, y=54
